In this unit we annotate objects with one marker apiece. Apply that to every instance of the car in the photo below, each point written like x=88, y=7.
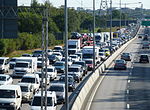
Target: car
x=107, y=51
x=40, y=76
x=10, y=97
x=58, y=55
x=37, y=53
x=74, y=57
x=26, y=55
x=5, y=79
x=83, y=64
x=59, y=88
x=51, y=101
x=34, y=79
x=49, y=51
x=144, y=58
x=52, y=59
x=146, y=45
x=126, y=56
x=102, y=56
x=4, y=64
x=12, y=62
x=27, y=91
x=39, y=62
x=120, y=64
x=69, y=60
x=71, y=82
x=57, y=48
x=79, y=55
x=89, y=63
x=51, y=72
x=60, y=66
x=76, y=71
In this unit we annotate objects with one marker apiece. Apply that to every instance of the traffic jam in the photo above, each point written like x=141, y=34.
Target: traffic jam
x=21, y=77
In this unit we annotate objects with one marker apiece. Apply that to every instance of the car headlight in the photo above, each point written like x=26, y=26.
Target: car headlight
x=12, y=103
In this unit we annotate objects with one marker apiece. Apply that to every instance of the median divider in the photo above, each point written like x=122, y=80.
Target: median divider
x=86, y=89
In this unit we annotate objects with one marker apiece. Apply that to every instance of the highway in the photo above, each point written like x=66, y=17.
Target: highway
x=125, y=89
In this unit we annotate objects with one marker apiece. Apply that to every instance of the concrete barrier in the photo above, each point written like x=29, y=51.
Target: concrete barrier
x=80, y=99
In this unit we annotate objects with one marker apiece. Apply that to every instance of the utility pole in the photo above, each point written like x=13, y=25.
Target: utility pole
x=111, y=25
x=120, y=14
x=66, y=57
x=125, y=16
x=94, y=35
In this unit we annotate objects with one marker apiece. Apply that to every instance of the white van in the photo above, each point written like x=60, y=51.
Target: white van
x=34, y=79
x=51, y=101
x=10, y=97
x=4, y=64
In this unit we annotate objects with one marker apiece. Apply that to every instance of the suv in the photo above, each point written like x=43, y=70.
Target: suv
x=4, y=64
x=51, y=101
x=59, y=88
x=144, y=58
x=10, y=97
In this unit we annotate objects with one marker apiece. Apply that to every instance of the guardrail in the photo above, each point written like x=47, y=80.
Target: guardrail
x=88, y=85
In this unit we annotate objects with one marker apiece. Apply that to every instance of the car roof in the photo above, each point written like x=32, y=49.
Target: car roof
x=57, y=84
x=30, y=75
x=9, y=87
x=24, y=84
x=49, y=93
x=4, y=57
x=4, y=75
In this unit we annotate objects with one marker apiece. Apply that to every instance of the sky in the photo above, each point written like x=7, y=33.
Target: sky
x=88, y=4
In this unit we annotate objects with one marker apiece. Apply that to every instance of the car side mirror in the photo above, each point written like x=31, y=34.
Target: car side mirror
x=18, y=96
x=55, y=104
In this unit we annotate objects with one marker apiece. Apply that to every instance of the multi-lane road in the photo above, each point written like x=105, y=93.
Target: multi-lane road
x=125, y=89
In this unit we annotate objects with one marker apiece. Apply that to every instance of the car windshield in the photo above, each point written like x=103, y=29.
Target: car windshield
x=12, y=60
x=125, y=54
x=144, y=56
x=56, y=88
x=7, y=93
x=22, y=65
x=88, y=62
x=49, y=70
x=24, y=89
x=57, y=48
x=28, y=80
x=37, y=101
x=73, y=56
x=62, y=79
x=73, y=69
x=39, y=59
x=58, y=64
x=79, y=63
x=1, y=61
x=101, y=54
x=72, y=46
x=120, y=61
x=87, y=56
x=2, y=78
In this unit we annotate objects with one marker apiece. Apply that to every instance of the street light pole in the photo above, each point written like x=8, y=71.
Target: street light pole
x=120, y=14
x=66, y=57
x=94, y=35
x=111, y=25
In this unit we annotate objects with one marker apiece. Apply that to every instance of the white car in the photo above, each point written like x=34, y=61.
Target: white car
x=33, y=79
x=69, y=60
x=40, y=75
x=39, y=62
x=58, y=55
x=74, y=57
x=52, y=72
x=51, y=101
x=5, y=79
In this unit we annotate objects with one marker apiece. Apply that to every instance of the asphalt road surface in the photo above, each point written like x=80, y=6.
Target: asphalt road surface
x=125, y=89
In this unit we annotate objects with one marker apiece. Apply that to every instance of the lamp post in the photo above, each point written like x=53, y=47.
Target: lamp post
x=120, y=14
x=111, y=25
x=66, y=57
x=93, y=35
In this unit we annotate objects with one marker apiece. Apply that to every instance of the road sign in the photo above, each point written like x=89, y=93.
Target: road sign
x=146, y=23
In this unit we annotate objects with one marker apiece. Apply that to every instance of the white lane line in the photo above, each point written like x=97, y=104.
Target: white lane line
x=129, y=81
x=128, y=106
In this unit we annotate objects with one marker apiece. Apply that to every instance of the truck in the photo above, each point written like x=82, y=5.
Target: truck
x=25, y=65
x=73, y=46
x=87, y=54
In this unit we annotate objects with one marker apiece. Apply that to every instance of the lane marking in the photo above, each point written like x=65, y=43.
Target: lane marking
x=127, y=91
x=128, y=106
x=128, y=81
